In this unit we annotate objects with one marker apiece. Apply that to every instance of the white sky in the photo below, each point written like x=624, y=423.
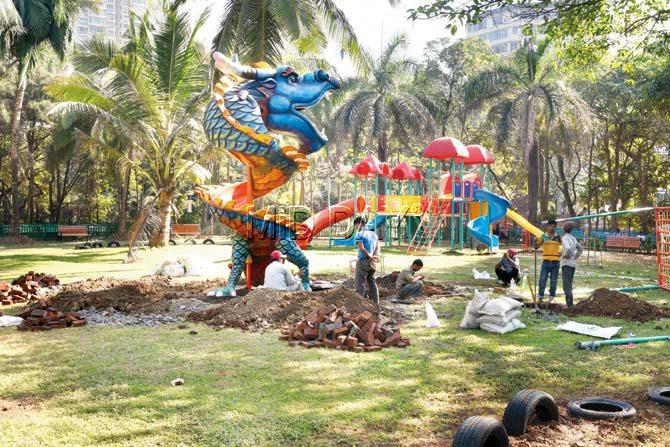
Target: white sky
x=374, y=21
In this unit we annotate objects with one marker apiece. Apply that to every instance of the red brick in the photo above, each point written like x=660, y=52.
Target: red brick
x=341, y=340
x=372, y=348
x=352, y=342
x=357, y=349
x=392, y=340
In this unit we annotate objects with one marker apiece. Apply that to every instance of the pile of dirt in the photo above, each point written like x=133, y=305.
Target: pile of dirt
x=16, y=240
x=144, y=295
x=610, y=303
x=268, y=308
x=386, y=285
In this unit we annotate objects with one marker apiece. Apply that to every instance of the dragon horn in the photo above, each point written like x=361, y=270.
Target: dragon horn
x=230, y=66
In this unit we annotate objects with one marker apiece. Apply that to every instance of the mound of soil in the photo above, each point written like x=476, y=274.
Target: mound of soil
x=145, y=295
x=267, y=308
x=610, y=303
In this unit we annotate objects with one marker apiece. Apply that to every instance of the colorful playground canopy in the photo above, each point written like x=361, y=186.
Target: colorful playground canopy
x=370, y=166
x=478, y=155
x=446, y=148
x=404, y=171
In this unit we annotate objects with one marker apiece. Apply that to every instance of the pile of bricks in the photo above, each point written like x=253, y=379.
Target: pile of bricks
x=43, y=316
x=26, y=288
x=334, y=328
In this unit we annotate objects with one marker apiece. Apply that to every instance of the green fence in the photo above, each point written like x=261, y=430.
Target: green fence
x=50, y=231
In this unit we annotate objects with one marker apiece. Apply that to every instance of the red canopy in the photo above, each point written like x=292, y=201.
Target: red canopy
x=478, y=155
x=371, y=166
x=402, y=171
x=446, y=148
x=416, y=174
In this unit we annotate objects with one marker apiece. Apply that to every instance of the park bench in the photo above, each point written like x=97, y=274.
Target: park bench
x=624, y=243
x=75, y=231
x=188, y=231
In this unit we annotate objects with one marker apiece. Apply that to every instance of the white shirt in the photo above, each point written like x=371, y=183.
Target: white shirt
x=572, y=249
x=278, y=276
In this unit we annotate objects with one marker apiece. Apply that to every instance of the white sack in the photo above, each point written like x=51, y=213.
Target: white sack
x=472, y=310
x=511, y=326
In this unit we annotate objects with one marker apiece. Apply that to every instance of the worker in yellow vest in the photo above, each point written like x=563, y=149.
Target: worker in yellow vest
x=551, y=260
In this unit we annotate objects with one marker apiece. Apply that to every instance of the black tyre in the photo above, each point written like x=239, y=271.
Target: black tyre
x=192, y=241
x=111, y=244
x=529, y=407
x=480, y=431
x=601, y=408
x=172, y=242
x=99, y=245
x=208, y=242
x=660, y=395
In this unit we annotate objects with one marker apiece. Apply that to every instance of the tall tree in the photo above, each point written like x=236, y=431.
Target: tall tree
x=149, y=95
x=262, y=30
x=519, y=94
x=383, y=104
x=42, y=22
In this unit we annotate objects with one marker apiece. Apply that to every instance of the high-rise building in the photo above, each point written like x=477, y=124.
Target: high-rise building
x=109, y=19
x=501, y=28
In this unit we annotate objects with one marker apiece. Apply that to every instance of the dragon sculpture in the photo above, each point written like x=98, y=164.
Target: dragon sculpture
x=250, y=106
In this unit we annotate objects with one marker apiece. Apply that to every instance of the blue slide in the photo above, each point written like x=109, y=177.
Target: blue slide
x=480, y=228
x=349, y=241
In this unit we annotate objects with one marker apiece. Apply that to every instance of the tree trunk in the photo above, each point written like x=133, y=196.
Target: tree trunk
x=531, y=152
x=382, y=149
x=123, y=203
x=14, y=148
x=564, y=185
x=162, y=236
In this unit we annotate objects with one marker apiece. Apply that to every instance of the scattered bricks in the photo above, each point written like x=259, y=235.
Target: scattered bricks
x=4, y=287
x=43, y=316
x=294, y=343
x=401, y=344
x=333, y=328
x=26, y=288
x=406, y=341
x=351, y=341
x=392, y=340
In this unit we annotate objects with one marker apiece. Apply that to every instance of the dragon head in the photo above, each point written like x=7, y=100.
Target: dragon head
x=282, y=95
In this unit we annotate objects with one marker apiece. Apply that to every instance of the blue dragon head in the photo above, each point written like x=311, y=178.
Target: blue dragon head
x=282, y=95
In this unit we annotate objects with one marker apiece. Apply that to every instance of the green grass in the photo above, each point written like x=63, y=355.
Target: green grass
x=110, y=386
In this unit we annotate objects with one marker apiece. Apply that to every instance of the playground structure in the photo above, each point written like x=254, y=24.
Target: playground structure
x=250, y=105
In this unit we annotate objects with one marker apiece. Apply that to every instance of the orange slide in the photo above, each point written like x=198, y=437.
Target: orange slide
x=333, y=214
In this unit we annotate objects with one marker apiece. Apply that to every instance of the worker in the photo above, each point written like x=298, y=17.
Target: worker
x=408, y=285
x=551, y=257
x=508, y=268
x=278, y=276
x=570, y=252
x=367, y=243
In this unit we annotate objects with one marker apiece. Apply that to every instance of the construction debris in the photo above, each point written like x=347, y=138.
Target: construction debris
x=335, y=328
x=27, y=288
x=43, y=316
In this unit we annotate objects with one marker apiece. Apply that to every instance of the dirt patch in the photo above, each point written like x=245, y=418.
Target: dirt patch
x=145, y=295
x=267, y=308
x=15, y=408
x=16, y=240
x=613, y=304
x=648, y=428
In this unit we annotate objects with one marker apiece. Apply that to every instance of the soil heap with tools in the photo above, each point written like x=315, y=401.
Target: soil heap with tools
x=27, y=288
x=387, y=287
x=268, y=308
x=610, y=303
x=335, y=328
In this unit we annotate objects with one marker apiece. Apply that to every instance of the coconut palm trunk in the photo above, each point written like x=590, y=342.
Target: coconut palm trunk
x=162, y=236
x=15, y=133
x=123, y=203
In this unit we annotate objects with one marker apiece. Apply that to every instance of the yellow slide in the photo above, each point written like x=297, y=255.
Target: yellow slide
x=523, y=223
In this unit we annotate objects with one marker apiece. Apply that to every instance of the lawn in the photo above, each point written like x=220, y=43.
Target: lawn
x=110, y=386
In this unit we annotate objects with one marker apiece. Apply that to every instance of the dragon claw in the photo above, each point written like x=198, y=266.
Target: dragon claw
x=223, y=292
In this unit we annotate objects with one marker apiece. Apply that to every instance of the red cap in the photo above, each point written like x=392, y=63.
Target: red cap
x=511, y=252
x=276, y=255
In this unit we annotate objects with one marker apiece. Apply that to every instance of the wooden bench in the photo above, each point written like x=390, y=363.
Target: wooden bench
x=622, y=243
x=189, y=231
x=75, y=231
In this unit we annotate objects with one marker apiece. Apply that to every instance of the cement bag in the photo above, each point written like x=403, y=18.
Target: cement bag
x=197, y=266
x=500, y=320
x=500, y=306
x=171, y=267
x=431, y=316
x=472, y=310
x=511, y=326
x=481, y=275
x=7, y=320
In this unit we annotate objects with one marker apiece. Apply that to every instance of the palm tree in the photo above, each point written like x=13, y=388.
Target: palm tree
x=383, y=105
x=261, y=30
x=149, y=97
x=518, y=94
x=25, y=27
